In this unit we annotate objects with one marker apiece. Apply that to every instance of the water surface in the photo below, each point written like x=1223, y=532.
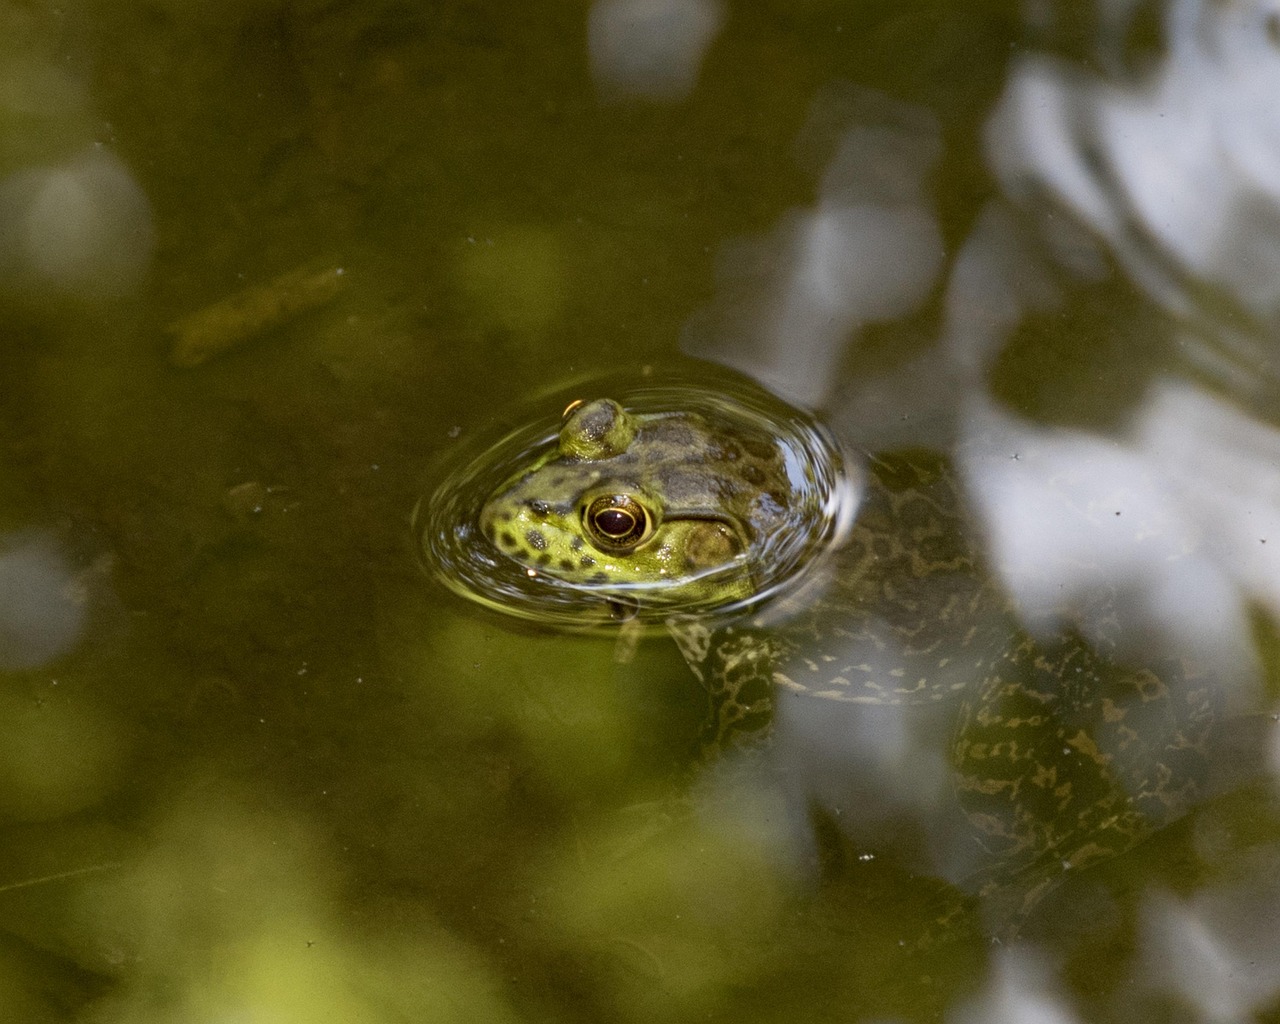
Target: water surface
x=255, y=766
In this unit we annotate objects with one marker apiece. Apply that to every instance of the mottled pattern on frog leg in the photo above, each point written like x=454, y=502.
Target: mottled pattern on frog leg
x=1066, y=758
x=739, y=680
x=693, y=638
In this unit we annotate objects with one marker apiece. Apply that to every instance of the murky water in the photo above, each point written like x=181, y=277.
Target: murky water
x=264, y=267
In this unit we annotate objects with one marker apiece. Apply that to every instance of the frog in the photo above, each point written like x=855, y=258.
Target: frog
x=1062, y=756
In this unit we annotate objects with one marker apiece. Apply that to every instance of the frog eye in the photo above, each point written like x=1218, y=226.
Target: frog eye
x=617, y=522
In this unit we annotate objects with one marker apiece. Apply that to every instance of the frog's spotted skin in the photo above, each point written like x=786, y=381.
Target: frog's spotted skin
x=1061, y=756
x=659, y=507
x=908, y=616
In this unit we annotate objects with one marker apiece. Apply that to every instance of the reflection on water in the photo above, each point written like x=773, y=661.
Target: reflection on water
x=867, y=251
x=277, y=775
x=1216, y=951
x=1167, y=523
x=1176, y=173
x=1020, y=990
x=1150, y=531
x=81, y=228
x=650, y=48
x=41, y=615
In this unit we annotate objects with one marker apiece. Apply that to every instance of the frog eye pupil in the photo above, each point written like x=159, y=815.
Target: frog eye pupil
x=615, y=522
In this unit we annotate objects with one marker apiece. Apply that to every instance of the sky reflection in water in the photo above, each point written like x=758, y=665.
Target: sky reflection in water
x=1170, y=175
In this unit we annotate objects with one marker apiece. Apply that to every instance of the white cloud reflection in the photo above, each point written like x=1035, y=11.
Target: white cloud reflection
x=1215, y=952
x=1178, y=172
x=1160, y=535
x=1173, y=514
x=869, y=250
x=82, y=227
x=650, y=49
x=1170, y=523
x=1020, y=990
x=871, y=767
x=42, y=611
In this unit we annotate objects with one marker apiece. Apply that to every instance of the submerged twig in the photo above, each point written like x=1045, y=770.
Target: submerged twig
x=238, y=318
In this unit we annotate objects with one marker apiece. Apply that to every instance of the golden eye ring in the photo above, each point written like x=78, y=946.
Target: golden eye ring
x=617, y=522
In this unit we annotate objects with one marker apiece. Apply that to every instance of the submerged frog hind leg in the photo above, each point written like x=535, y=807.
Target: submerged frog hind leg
x=736, y=667
x=1067, y=758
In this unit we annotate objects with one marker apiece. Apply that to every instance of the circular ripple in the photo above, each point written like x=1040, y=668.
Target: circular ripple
x=456, y=552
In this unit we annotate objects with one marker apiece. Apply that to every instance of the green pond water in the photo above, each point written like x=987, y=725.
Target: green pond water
x=278, y=773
